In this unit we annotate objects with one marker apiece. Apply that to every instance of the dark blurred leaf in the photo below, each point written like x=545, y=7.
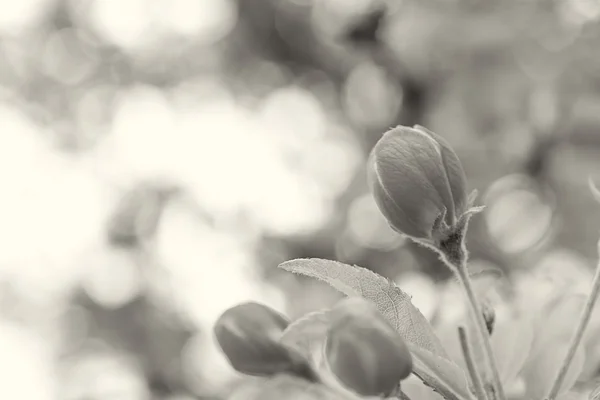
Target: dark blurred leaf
x=137, y=215
x=366, y=31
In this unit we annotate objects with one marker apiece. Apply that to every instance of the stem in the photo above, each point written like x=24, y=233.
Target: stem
x=480, y=328
x=578, y=334
x=468, y=353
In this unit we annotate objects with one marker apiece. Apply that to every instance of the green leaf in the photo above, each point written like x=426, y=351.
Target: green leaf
x=391, y=301
x=440, y=374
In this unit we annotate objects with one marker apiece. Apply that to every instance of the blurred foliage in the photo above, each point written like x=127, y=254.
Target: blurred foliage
x=160, y=157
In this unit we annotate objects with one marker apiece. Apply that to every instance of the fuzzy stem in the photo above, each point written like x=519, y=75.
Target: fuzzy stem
x=481, y=329
x=454, y=253
x=578, y=334
x=471, y=368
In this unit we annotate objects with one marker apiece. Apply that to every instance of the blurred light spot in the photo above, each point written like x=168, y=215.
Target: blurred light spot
x=369, y=227
x=50, y=194
x=141, y=140
x=517, y=218
x=295, y=127
x=125, y=23
x=294, y=116
x=212, y=270
x=66, y=59
x=222, y=156
x=19, y=145
x=422, y=290
x=205, y=20
x=516, y=140
x=567, y=269
x=233, y=161
x=580, y=11
x=332, y=163
x=112, y=277
x=206, y=369
x=21, y=56
x=20, y=15
x=543, y=108
x=75, y=327
x=134, y=23
x=104, y=376
x=347, y=248
x=370, y=97
x=451, y=304
x=93, y=111
x=26, y=366
x=292, y=207
x=237, y=163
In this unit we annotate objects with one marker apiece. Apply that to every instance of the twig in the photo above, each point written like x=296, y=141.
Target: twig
x=578, y=334
x=481, y=329
x=474, y=374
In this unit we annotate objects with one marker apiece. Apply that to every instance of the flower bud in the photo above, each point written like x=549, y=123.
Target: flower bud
x=418, y=182
x=364, y=351
x=489, y=315
x=249, y=336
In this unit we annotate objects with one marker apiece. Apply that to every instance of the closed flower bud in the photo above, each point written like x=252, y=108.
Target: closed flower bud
x=418, y=182
x=363, y=350
x=489, y=315
x=249, y=336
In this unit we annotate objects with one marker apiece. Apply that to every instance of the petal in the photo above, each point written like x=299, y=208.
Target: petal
x=557, y=321
x=511, y=343
x=392, y=210
x=455, y=175
x=541, y=370
x=406, y=161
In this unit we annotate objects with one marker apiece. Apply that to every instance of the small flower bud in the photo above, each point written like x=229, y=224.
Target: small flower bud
x=249, y=336
x=489, y=315
x=363, y=350
x=418, y=182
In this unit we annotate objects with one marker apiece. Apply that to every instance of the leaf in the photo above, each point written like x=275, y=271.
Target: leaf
x=307, y=334
x=391, y=301
x=417, y=390
x=440, y=374
x=431, y=364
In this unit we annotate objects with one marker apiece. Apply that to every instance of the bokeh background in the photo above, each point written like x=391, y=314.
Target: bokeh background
x=160, y=158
